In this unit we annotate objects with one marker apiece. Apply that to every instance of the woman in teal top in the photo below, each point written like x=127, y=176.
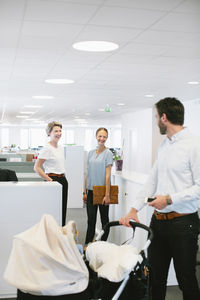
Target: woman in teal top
x=99, y=165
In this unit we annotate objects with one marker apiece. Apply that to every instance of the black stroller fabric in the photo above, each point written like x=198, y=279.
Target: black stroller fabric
x=80, y=296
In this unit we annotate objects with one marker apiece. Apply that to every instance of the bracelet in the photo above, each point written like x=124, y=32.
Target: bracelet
x=84, y=193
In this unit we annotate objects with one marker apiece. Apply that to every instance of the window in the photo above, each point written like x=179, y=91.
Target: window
x=37, y=137
x=69, y=137
x=63, y=137
x=24, y=138
x=89, y=139
x=5, y=137
x=116, y=139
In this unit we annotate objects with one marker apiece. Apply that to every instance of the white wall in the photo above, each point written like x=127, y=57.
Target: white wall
x=192, y=116
x=137, y=136
x=142, y=136
x=157, y=138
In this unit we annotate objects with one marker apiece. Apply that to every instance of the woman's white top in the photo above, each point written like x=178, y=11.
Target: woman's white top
x=54, y=159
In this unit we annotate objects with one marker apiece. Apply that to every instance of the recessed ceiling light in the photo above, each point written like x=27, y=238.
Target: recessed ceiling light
x=87, y=113
x=59, y=81
x=80, y=120
x=193, y=82
x=149, y=96
x=101, y=109
x=22, y=117
x=95, y=46
x=120, y=104
x=27, y=112
x=31, y=119
x=42, y=97
x=33, y=106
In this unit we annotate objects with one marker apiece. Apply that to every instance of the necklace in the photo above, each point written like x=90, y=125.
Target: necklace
x=98, y=152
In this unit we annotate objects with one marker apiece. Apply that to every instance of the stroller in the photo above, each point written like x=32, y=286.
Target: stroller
x=45, y=263
x=135, y=284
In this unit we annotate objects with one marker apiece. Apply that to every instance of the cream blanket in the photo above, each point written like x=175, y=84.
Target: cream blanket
x=111, y=261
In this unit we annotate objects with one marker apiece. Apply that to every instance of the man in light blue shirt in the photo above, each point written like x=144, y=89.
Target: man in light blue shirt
x=174, y=183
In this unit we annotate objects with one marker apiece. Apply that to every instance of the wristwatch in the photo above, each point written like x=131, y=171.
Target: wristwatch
x=84, y=193
x=168, y=199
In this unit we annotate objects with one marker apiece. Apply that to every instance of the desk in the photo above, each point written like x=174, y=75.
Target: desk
x=22, y=205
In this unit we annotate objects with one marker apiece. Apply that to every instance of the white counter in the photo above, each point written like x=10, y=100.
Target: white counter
x=28, y=175
x=22, y=205
x=139, y=178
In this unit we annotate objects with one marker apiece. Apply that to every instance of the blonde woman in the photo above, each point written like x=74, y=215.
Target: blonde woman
x=99, y=165
x=52, y=158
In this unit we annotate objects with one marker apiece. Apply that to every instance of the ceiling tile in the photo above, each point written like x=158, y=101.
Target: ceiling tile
x=179, y=22
x=125, y=17
x=161, y=37
x=12, y=10
x=59, y=11
x=113, y=34
x=189, y=6
x=146, y=4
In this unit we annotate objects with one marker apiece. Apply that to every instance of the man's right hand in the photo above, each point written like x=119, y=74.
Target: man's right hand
x=131, y=215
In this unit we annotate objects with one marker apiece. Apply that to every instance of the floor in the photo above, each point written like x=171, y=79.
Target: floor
x=80, y=217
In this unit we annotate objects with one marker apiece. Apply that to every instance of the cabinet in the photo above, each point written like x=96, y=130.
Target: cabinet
x=74, y=156
x=127, y=193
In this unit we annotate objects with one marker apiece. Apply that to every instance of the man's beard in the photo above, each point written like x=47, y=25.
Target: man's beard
x=162, y=127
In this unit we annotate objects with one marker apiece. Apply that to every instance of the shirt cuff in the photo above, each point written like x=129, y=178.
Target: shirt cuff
x=138, y=205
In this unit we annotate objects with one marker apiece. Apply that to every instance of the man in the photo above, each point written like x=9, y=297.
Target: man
x=174, y=183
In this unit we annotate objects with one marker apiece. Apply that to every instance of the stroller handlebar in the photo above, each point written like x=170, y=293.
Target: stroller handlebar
x=133, y=225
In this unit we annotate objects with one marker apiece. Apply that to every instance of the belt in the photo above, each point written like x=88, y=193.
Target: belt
x=167, y=216
x=56, y=175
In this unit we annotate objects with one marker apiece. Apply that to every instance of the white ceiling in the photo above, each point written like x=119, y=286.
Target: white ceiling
x=159, y=52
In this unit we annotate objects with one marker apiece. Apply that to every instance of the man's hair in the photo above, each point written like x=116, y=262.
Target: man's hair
x=173, y=109
x=101, y=128
x=51, y=125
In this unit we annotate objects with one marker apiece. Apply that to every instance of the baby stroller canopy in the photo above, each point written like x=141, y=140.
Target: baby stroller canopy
x=45, y=260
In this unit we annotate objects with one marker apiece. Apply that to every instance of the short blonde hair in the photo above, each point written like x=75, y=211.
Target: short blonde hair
x=51, y=125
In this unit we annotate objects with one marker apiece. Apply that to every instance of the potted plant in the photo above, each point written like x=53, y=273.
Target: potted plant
x=118, y=160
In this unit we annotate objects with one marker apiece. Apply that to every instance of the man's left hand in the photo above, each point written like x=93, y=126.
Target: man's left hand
x=160, y=202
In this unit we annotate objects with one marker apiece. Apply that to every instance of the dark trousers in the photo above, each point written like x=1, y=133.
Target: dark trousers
x=64, y=182
x=177, y=239
x=92, y=217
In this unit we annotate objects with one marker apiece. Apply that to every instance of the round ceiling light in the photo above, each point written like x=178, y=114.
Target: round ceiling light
x=149, y=96
x=42, y=97
x=59, y=81
x=193, y=82
x=95, y=46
